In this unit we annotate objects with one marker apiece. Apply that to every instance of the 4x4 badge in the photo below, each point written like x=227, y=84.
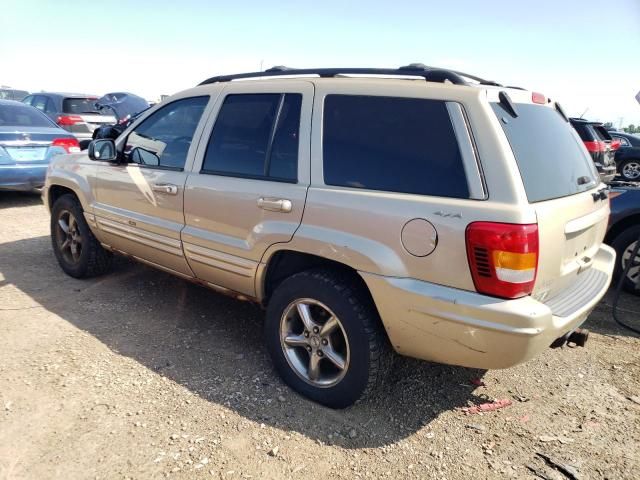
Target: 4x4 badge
x=445, y=214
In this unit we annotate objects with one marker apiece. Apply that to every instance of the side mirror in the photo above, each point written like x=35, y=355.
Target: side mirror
x=103, y=150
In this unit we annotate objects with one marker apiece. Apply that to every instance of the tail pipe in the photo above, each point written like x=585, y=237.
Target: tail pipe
x=578, y=337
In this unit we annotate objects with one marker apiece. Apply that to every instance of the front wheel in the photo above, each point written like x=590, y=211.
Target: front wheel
x=630, y=170
x=325, y=338
x=78, y=252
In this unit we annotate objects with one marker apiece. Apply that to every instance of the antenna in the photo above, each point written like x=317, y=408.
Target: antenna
x=584, y=112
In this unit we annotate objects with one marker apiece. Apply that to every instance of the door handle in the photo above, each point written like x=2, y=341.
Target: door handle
x=165, y=188
x=275, y=204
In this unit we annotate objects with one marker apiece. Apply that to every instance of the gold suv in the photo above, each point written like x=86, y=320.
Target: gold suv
x=417, y=209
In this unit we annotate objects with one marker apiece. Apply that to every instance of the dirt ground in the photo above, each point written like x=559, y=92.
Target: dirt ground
x=138, y=374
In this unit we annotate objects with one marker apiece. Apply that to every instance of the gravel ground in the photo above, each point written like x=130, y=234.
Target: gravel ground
x=142, y=375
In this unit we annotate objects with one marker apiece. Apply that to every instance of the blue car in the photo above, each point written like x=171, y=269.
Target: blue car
x=28, y=142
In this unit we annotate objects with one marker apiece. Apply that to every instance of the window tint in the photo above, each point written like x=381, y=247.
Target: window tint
x=551, y=160
x=256, y=136
x=40, y=102
x=22, y=116
x=79, y=105
x=164, y=138
x=393, y=144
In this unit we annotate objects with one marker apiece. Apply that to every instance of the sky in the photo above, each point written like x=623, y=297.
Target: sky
x=583, y=53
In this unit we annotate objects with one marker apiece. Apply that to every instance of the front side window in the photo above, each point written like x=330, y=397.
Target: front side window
x=393, y=144
x=163, y=139
x=256, y=136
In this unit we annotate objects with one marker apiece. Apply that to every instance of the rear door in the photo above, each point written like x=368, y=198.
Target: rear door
x=560, y=182
x=139, y=207
x=249, y=184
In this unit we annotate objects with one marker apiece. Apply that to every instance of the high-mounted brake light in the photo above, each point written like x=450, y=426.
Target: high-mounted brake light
x=538, y=98
x=503, y=258
x=595, y=146
x=67, y=120
x=70, y=145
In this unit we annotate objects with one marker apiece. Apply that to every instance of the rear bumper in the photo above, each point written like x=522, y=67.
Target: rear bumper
x=22, y=177
x=457, y=327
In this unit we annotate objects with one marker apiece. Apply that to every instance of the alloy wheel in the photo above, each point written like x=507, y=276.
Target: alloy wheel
x=634, y=272
x=314, y=342
x=68, y=237
x=631, y=170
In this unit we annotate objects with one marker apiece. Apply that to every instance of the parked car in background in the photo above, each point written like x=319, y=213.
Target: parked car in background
x=28, y=141
x=599, y=145
x=359, y=211
x=115, y=130
x=624, y=231
x=121, y=105
x=8, y=93
x=76, y=113
x=628, y=155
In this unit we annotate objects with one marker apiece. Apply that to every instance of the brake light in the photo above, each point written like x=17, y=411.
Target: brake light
x=70, y=145
x=67, y=120
x=503, y=258
x=538, y=98
x=595, y=146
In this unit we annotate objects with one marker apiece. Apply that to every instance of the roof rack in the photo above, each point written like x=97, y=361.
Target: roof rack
x=430, y=74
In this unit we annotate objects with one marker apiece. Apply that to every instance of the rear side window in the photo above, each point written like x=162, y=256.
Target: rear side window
x=405, y=145
x=79, y=105
x=256, y=136
x=22, y=116
x=551, y=160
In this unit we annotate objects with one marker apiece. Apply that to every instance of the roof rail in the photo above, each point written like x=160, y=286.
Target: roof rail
x=430, y=74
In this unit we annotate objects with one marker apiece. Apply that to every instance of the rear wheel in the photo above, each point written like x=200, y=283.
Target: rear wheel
x=78, y=252
x=325, y=338
x=624, y=245
x=630, y=169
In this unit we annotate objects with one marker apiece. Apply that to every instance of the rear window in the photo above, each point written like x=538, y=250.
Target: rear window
x=79, y=105
x=584, y=130
x=22, y=116
x=551, y=160
x=602, y=133
x=392, y=144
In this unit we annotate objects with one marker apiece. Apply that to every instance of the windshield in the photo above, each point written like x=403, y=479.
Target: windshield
x=79, y=105
x=22, y=116
x=552, y=161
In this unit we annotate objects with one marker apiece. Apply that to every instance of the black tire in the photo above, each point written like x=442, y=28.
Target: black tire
x=92, y=259
x=369, y=352
x=621, y=244
x=627, y=163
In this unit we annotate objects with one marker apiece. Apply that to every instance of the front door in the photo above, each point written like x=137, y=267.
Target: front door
x=249, y=185
x=140, y=201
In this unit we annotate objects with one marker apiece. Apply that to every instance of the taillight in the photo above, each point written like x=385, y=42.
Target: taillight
x=503, y=258
x=538, y=98
x=615, y=144
x=67, y=120
x=70, y=145
x=595, y=146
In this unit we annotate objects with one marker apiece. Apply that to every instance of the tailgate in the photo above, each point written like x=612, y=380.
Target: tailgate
x=571, y=230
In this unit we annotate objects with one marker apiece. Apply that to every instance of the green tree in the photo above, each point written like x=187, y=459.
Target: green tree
x=631, y=128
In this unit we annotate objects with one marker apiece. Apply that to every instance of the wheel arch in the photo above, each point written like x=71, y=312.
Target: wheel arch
x=620, y=226
x=283, y=263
